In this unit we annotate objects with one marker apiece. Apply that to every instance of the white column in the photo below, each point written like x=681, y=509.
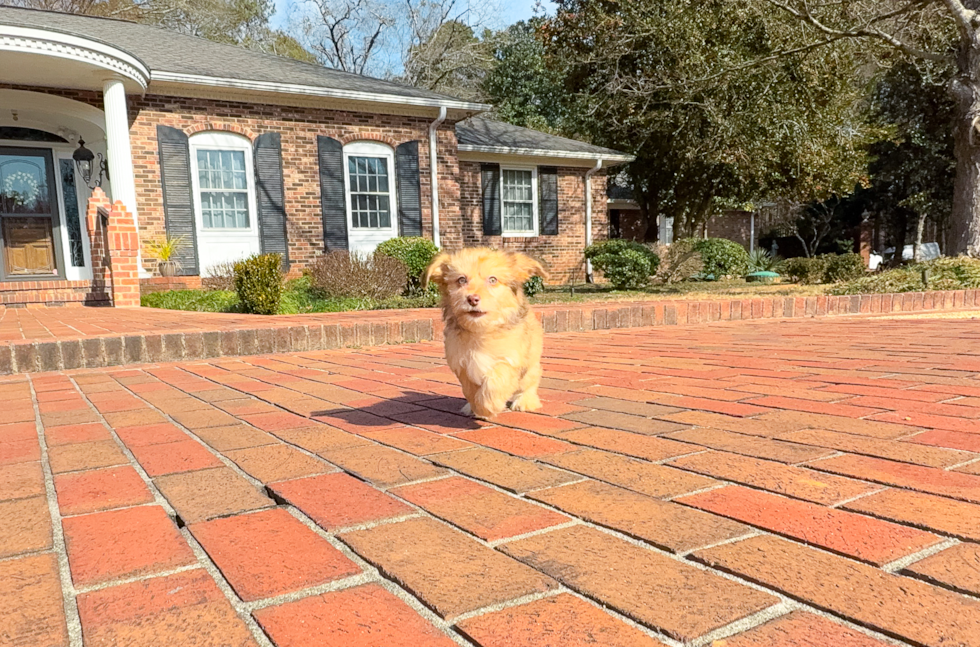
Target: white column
x=119, y=154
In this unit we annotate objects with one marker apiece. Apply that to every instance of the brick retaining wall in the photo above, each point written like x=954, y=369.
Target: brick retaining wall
x=347, y=330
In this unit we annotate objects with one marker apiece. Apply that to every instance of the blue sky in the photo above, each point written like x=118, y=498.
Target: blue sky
x=511, y=11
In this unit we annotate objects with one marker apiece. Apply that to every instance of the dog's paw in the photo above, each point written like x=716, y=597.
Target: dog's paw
x=526, y=402
x=467, y=410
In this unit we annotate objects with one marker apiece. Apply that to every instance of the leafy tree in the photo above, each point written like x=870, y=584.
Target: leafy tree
x=913, y=171
x=942, y=36
x=909, y=190
x=678, y=84
x=524, y=85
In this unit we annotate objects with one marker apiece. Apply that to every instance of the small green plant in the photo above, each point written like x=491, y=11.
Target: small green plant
x=761, y=260
x=843, y=267
x=258, y=282
x=533, y=286
x=626, y=264
x=721, y=257
x=163, y=248
x=415, y=253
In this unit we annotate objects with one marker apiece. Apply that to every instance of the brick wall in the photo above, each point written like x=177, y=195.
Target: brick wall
x=561, y=254
x=733, y=225
x=299, y=128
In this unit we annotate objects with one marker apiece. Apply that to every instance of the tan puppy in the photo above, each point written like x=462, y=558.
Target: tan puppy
x=493, y=340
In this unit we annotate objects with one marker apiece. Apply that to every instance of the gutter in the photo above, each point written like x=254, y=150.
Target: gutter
x=158, y=76
x=588, y=214
x=434, y=172
x=543, y=152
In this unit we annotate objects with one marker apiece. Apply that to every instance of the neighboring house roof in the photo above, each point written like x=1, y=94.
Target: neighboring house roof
x=483, y=135
x=175, y=57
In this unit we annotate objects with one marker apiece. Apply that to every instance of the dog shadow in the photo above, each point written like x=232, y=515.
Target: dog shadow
x=418, y=409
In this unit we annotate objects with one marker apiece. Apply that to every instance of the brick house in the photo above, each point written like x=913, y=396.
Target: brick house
x=106, y=124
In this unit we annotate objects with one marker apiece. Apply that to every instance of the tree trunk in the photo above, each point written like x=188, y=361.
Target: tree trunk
x=919, y=228
x=964, y=235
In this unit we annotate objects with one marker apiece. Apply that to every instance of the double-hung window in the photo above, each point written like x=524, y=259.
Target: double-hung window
x=518, y=200
x=370, y=185
x=223, y=186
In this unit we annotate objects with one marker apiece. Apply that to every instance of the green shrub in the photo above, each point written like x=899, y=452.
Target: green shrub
x=808, y=271
x=415, y=253
x=626, y=264
x=954, y=273
x=258, y=282
x=532, y=286
x=720, y=256
x=843, y=267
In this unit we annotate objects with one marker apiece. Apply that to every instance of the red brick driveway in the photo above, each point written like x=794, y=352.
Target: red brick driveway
x=804, y=483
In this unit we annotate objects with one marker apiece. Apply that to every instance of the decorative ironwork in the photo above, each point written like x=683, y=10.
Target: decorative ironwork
x=72, y=214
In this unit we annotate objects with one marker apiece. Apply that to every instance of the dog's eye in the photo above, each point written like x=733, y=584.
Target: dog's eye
x=462, y=280
x=492, y=280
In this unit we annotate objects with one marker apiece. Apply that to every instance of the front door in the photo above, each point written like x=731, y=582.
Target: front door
x=28, y=213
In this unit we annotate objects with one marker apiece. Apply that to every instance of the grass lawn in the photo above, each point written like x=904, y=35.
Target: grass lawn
x=299, y=298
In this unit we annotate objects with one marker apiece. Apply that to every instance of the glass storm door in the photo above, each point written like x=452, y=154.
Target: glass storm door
x=28, y=213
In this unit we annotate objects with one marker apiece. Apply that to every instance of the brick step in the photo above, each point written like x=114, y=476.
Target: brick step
x=256, y=335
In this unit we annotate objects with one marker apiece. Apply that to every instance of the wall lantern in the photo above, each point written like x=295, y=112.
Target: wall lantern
x=86, y=160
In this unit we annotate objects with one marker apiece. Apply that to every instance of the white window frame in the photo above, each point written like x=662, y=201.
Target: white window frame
x=371, y=149
x=224, y=141
x=535, y=224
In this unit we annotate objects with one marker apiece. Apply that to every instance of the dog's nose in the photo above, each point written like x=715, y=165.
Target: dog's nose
x=473, y=299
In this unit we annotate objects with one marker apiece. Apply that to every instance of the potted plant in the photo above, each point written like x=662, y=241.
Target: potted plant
x=163, y=250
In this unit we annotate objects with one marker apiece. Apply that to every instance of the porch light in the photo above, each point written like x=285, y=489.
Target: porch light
x=84, y=159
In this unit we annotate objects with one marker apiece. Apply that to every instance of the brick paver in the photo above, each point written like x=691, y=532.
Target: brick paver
x=30, y=597
x=119, y=544
x=478, y=509
x=957, y=567
x=181, y=609
x=560, y=621
x=365, y=616
x=449, y=571
x=679, y=485
x=270, y=553
x=662, y=593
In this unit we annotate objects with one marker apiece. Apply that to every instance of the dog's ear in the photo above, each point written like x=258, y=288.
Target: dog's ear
x=436, y=272
x=525, y=267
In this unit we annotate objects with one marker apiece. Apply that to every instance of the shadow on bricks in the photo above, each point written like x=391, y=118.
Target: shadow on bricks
x=425, y=410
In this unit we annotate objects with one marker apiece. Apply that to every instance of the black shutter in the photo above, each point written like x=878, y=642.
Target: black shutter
x=409, y=190
x=178, y=200
x=333, y=204
x=491, y=199
x=271, y=196
x=548, y=200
